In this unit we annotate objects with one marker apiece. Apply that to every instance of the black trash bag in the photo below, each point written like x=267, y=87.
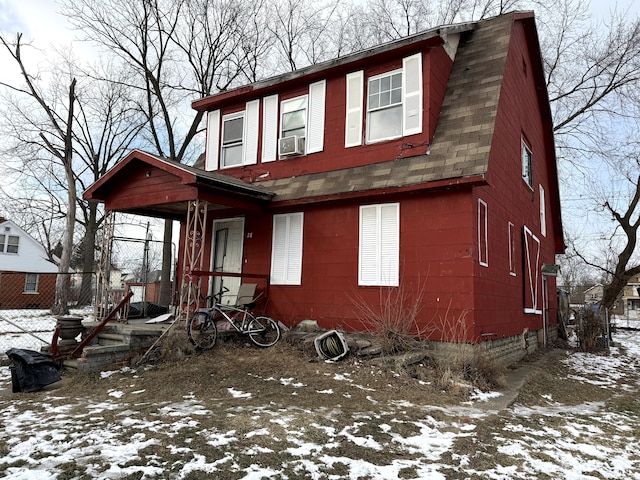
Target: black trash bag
x=31, y=370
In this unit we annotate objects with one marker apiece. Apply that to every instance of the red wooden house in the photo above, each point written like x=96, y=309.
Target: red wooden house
x=424, y=166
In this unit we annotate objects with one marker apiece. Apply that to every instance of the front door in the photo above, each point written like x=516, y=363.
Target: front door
x=226, y=256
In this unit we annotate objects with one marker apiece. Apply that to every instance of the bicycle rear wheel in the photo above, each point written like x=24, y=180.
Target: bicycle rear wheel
x=202, y=331
x=264, y=331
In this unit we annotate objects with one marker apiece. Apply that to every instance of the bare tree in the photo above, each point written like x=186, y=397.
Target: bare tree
x=103, y=126
x=55, y=131
x=177, y=51
x=304, y=32
x=593, y=79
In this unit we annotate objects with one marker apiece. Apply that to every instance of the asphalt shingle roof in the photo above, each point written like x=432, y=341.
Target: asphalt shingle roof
x=463, y=135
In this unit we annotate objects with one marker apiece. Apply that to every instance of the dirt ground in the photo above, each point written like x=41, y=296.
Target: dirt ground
x=286, y=411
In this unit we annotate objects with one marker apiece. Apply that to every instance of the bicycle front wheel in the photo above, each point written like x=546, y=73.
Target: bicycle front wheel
x=202, y=331
x=264, y=331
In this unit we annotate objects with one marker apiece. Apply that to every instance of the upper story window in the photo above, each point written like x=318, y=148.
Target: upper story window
x=527, y=167
x=232, y=135
x=384, y=106
x=293, y=126
x=232, y=139
x=294, y=117
x=9, y=243
x=394, y=103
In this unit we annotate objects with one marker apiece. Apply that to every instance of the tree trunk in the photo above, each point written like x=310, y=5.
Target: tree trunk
x=61, y=303
x=88, y=257
x=167, y=259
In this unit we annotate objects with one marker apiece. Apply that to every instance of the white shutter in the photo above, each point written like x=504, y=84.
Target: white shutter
x=389, y=244
x=213, y=139
x=286, y=256
x=379, y=249
x=412, y=88
x=270, y=128
x=543, y=213
x=368, y=264
x=251, y=120
x=353, y=121
x=294, y=252
x=315, y=125
x=279, y=249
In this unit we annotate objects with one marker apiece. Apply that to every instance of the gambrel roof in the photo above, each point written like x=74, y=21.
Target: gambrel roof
x=464, y=132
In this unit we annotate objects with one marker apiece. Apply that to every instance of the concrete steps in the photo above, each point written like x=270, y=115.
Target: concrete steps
x=117, y=345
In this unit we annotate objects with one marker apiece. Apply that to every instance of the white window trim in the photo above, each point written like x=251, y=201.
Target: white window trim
x=543, y=212
x=290, y=271
x=527, y=170
x=390, y=255
x=6, y=244
x=306, y=117
x=512, y=250
x=483, y=233
x=531, y=269
x=31, y=292
x=401, y=105
x=226, y=118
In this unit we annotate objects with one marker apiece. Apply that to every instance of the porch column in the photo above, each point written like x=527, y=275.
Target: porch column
x=103, y=299
x=192, y=258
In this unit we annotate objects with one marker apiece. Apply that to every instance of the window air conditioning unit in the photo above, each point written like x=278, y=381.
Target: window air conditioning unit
x=292, y=145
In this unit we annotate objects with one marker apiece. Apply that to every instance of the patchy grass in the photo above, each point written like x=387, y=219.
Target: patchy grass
x=237, y=411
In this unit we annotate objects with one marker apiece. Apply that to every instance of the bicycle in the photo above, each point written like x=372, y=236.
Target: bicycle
x=202, y=331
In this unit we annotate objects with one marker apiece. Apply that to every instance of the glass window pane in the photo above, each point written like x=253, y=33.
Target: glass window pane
x=385, y=98
x=385, y=83
x=232, y=155
x=294, y=104
x=2, y=238
x=374, y=101
x=12, y=244
x=300, y=132
x=232, y=130
x=385, y=123
x=396, y=80
x=293, y=121
x=374, y=86
x=396, y=96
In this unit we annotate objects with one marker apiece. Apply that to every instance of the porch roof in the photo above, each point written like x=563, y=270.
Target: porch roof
x=146, y=184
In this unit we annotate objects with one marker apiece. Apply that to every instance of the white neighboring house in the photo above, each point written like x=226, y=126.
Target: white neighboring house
x=27, y=277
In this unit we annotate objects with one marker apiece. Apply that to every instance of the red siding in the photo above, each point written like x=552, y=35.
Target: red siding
x=436, y=239
x=499, y=304
x=436, y=66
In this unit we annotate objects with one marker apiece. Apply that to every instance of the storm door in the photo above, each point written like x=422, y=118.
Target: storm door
x=226, y=257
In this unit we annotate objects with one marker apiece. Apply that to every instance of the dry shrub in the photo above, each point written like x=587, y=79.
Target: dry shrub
x=461, y=363
x=589, y=329
x=174, y=344
x=394, y=319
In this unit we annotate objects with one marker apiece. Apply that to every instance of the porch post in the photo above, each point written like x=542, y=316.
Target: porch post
x=192, y=258
x=103, y=290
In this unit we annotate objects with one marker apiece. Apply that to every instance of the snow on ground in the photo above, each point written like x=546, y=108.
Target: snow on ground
x=14, y=325
x=120, y=437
